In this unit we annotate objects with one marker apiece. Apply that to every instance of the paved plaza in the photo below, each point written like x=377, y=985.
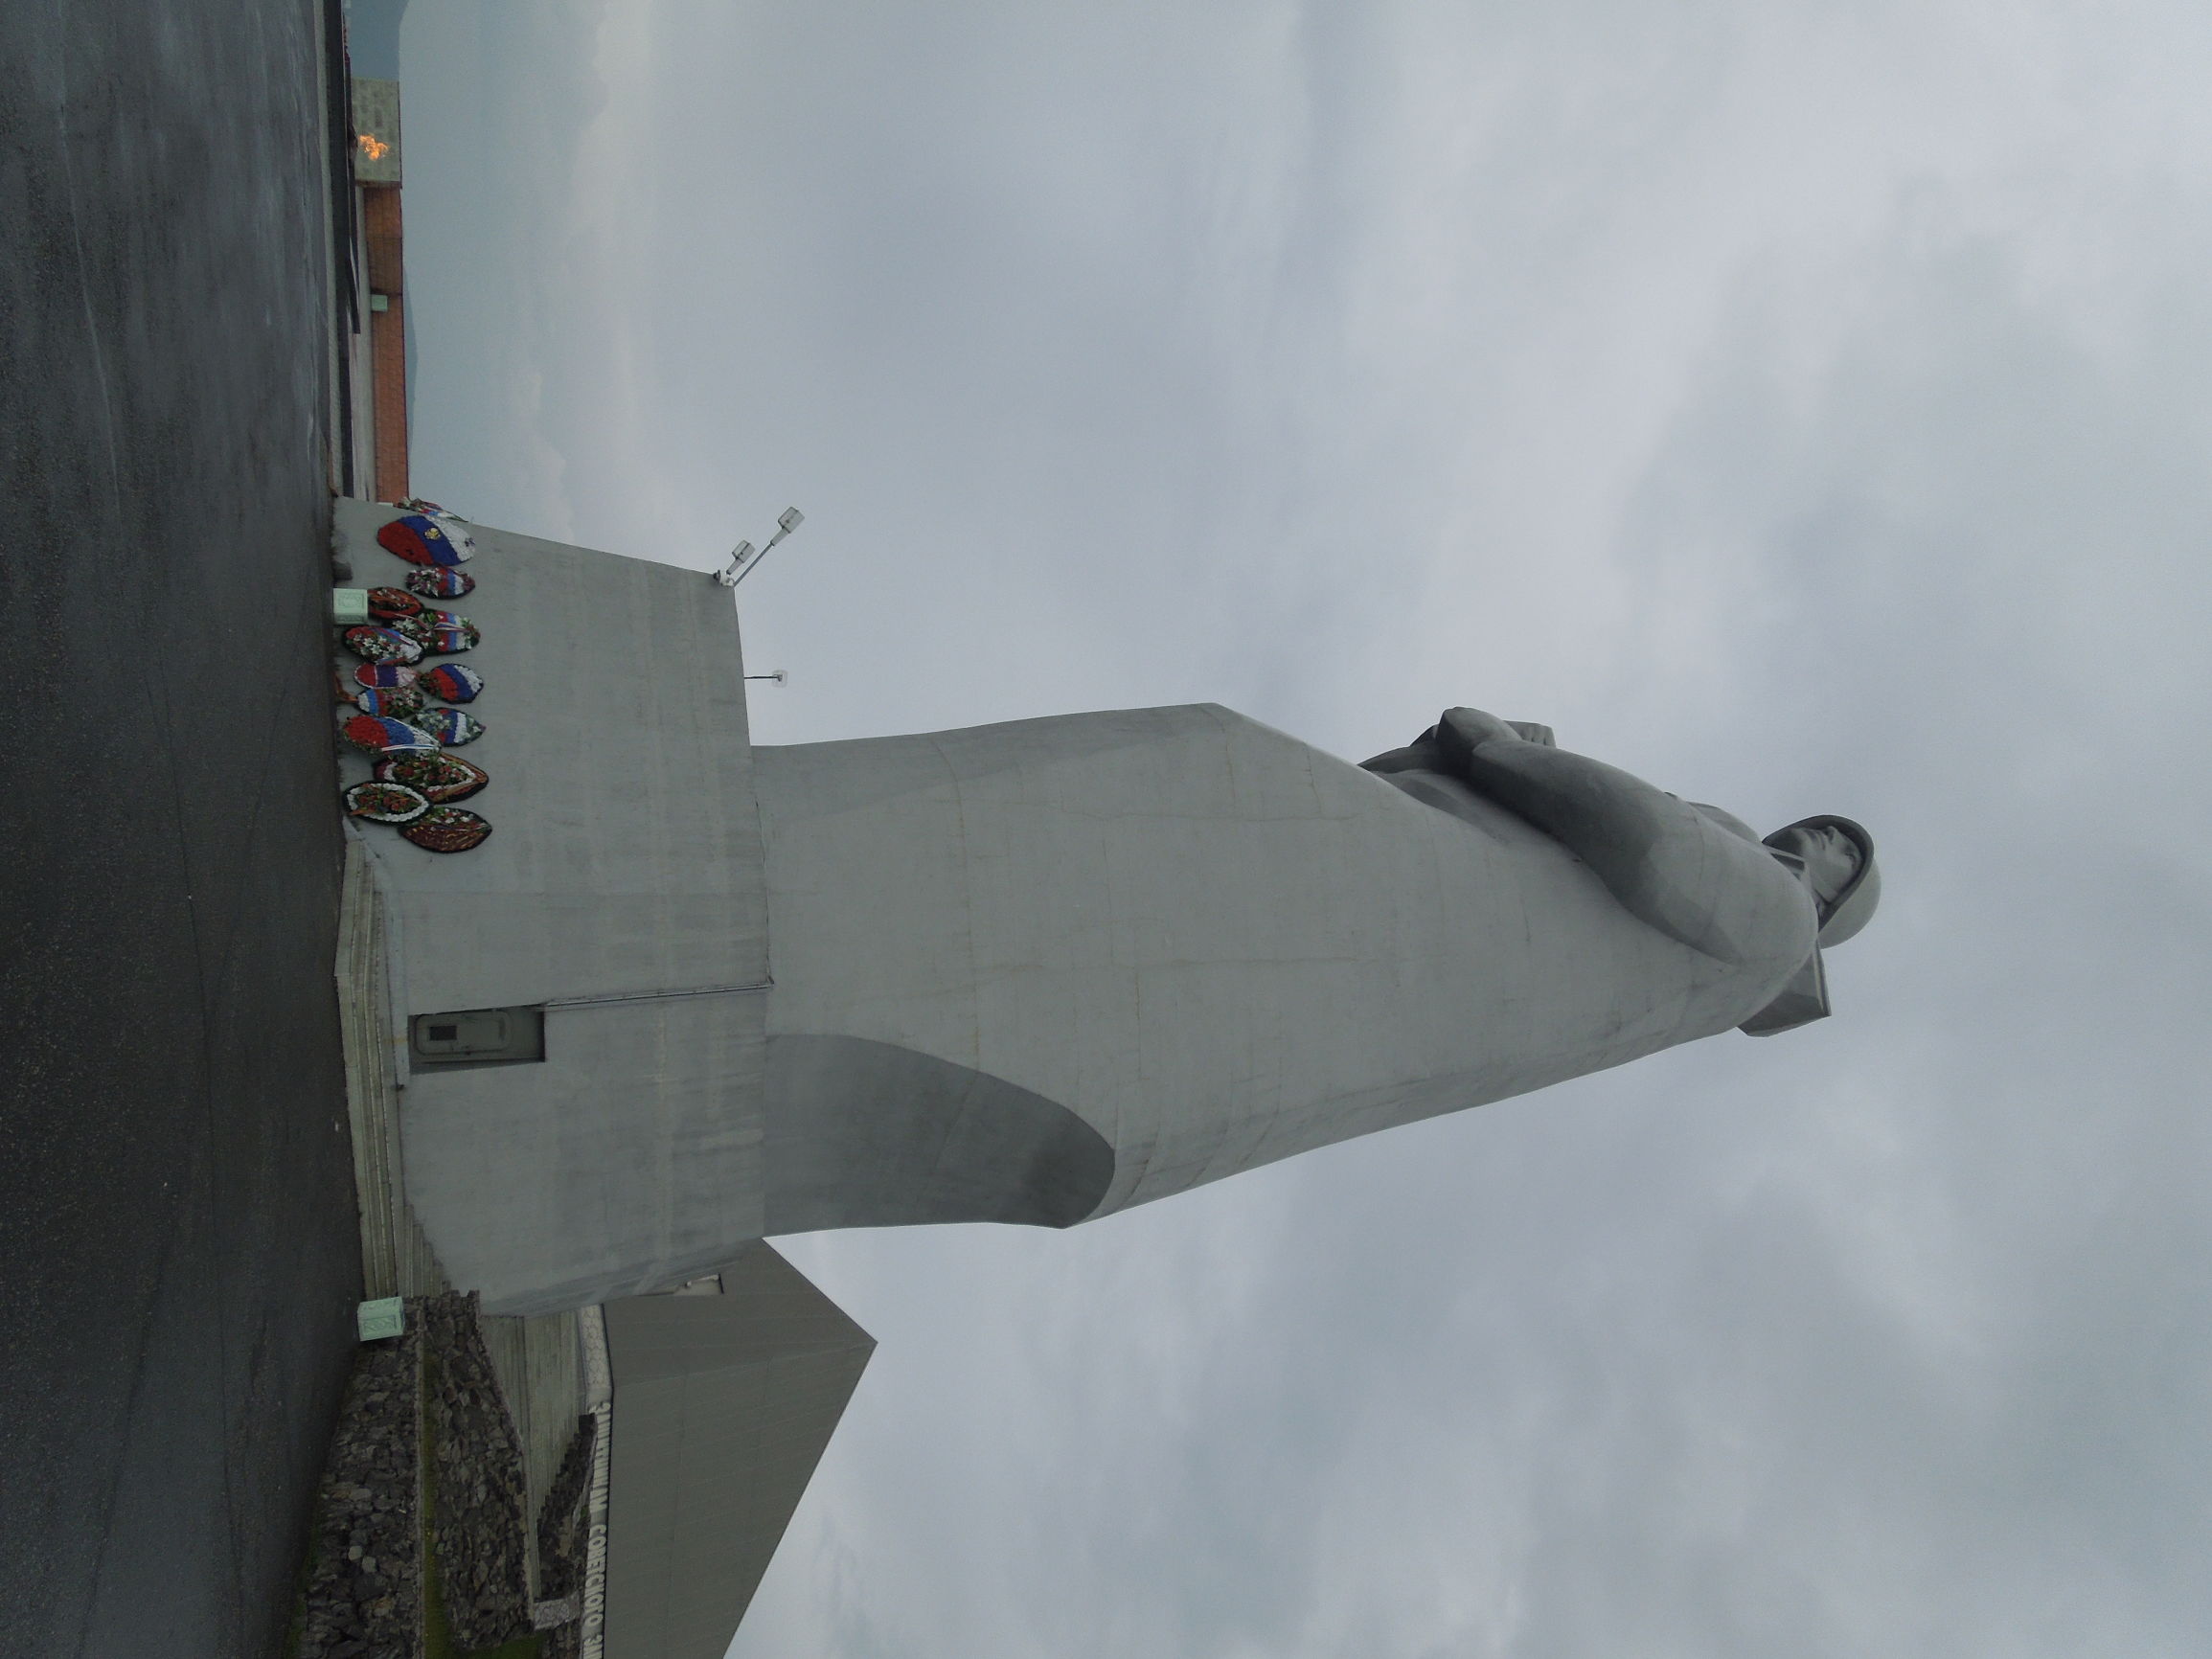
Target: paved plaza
x=175, y=1193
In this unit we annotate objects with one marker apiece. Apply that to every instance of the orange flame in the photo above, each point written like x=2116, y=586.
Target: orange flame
x=374, y=148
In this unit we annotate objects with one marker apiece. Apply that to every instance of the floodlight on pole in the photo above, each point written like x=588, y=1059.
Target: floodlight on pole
x=779, y=676
x=744, y=560
x=728, y=575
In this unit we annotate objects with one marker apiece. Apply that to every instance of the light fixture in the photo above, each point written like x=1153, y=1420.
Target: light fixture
x=779, y=676
x=728, y=575
x=742, y=557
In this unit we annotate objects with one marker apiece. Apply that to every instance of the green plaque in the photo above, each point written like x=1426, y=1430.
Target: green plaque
x=386, y=1316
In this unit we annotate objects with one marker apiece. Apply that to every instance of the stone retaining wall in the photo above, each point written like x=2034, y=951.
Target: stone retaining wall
x=364, y=1590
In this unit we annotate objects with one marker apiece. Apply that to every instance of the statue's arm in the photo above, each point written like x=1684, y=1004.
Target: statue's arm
x=1668, y=864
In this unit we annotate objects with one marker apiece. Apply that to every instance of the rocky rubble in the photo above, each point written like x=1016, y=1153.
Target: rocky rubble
x=364, y=1590
x=562, y=1532
x=477, y=1465
x=561, y=1524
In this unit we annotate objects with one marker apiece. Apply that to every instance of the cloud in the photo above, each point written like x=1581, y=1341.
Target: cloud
x=1799, y=406
x=499, y=102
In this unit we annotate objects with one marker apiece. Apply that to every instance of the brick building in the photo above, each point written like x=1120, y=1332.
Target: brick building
x=379, y=346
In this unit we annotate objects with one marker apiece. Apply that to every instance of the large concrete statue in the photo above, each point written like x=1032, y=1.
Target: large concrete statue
x=1040, y=972
x=1032, y=972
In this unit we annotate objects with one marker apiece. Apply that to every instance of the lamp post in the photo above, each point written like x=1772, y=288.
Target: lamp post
x=743, y=561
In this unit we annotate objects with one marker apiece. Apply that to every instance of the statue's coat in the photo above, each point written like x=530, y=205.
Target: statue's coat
x=1110, y=957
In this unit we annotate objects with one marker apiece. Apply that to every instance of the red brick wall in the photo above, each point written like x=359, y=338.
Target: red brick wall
x=387, y=337
x=381, y=232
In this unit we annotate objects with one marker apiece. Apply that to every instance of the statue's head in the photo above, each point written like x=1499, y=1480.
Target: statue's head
x=1835, y=858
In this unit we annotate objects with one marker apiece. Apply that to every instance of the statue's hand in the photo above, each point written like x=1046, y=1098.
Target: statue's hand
x=1475, y=727
x=1446, y=745
x=1463, y=731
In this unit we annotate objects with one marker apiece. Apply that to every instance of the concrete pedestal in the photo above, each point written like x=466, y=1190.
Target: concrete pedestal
x=620, y=892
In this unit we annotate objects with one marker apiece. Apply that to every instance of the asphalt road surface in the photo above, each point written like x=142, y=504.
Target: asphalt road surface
x=178, y=1244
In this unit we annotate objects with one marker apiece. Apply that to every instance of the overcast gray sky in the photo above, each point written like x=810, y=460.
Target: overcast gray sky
x=1801, y=404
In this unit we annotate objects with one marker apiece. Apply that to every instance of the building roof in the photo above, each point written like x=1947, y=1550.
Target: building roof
x=722, y=1407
